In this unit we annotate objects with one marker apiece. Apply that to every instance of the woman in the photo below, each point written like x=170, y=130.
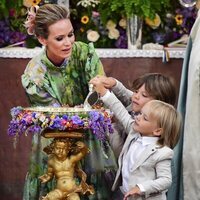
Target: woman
x=59, y=76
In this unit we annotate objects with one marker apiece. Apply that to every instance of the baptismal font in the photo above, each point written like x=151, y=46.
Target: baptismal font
x=65, y=127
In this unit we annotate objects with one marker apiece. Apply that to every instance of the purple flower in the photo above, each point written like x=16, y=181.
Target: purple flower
x=13, y=128
x=31, y=122
x=159, y=37
x=122, y=41
x=99, y=125
x=56, y=123
x=10, y=32
x=15, y=111
x=94, y=115
x=34, y=129
x=77, y=120
x=65, y=117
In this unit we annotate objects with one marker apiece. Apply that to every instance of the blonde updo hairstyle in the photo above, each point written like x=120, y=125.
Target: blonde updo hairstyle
x=38, y=23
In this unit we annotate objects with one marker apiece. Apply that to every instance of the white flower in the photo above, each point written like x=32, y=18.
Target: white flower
x=110, y=24
x=113, y=33
x=87, y=3
x=169, y=15
x=92, y=36
x=123, y=23
x=42, y=118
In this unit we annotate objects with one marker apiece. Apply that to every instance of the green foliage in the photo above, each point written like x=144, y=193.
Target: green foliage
x=96, y=23
x=6, y=5
x=13, y=11
x=142, y=8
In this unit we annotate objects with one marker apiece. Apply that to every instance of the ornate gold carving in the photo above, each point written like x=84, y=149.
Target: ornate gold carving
x=64, y=155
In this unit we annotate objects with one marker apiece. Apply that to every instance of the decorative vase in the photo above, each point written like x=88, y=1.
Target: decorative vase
x=134, y=32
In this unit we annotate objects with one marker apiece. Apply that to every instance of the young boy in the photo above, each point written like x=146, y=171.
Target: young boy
x=145, y=88
x=145, y=160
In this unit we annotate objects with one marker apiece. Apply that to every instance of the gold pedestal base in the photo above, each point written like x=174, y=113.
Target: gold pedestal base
x=65, y=152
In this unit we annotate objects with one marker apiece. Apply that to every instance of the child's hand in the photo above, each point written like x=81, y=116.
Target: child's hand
x=98, y=85
x=133, y=192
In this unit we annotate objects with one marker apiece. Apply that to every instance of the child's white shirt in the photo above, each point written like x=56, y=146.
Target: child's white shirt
x=136, y=147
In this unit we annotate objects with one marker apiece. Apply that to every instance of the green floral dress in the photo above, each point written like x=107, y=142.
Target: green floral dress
x=47, y=84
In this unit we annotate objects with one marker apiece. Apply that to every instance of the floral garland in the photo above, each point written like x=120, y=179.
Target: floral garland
x=26, y=122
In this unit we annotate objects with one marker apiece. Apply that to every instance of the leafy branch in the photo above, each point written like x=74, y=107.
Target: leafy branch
x=142, y=8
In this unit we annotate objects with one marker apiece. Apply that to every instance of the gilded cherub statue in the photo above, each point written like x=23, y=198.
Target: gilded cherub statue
x=62, y=164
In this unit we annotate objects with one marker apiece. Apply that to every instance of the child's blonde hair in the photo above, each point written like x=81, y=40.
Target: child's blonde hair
x=168, y=119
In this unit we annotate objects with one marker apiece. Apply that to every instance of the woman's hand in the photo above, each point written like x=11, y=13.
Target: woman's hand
x=133, y=192
x=98, y=85
x=108, y=82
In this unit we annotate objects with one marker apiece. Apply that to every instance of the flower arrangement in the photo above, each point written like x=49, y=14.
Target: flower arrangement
x=89, y=27
x=35, y=120
x=169, y=26
x=12, y=16
x=103, y=22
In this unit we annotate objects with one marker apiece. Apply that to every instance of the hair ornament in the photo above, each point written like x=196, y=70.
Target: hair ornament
x=30, y=20
x=29, y=3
